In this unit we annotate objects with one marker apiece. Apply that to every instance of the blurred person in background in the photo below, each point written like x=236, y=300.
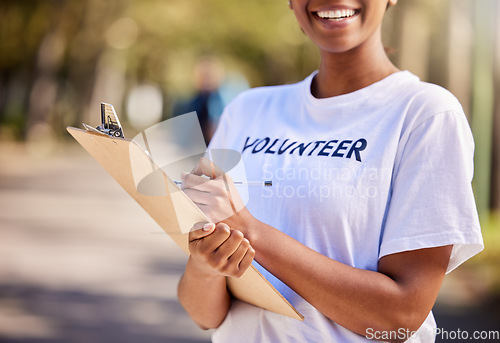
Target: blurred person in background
x=371, y=203
x=208, y=101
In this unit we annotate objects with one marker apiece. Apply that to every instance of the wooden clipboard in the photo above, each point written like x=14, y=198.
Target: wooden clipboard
x=174, y=211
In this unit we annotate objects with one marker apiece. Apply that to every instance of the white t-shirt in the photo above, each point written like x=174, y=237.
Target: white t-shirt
x=381, y=170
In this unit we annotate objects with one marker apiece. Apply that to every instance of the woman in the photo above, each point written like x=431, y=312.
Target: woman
x=371, y=203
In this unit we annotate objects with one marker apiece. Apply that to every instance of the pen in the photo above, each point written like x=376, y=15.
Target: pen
x=268, y=183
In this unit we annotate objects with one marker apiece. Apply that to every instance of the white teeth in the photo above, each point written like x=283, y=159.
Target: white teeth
x=337, y=14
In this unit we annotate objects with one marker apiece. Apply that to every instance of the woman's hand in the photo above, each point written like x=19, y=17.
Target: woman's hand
x=217, y=250
x=214, y=193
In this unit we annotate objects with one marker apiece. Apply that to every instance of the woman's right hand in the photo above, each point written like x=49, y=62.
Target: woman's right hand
x=218, y=250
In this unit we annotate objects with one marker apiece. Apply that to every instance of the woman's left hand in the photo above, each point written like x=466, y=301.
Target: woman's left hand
x=213, y=191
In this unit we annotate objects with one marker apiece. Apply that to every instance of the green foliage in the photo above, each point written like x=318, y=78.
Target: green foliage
x=68, y=41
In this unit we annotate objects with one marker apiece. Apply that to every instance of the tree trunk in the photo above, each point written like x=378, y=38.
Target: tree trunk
x=495, y=158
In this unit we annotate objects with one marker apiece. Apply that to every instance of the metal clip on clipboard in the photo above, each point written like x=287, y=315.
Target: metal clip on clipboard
x=110, y=124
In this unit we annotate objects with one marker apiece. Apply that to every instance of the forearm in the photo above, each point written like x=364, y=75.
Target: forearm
x=204, y=297
x=354, y=298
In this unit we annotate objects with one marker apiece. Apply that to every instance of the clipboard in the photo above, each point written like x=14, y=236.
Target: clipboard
x=174, y=212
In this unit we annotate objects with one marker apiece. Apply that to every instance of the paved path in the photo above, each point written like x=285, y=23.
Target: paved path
x=80, y=261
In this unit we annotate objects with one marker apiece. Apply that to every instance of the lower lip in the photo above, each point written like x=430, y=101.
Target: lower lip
x=335, y=24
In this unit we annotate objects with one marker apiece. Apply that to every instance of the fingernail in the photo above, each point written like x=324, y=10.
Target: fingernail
x=208, y=226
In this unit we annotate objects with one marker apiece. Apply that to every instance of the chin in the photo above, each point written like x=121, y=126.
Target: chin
x=337, y=48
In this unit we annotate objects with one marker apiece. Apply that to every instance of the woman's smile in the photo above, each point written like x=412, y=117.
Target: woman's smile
x=336, y=15
x=340, y=25
x=336, y=18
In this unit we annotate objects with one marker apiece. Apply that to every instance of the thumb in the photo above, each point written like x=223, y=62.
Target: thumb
x=200, y=230
x=208, y=168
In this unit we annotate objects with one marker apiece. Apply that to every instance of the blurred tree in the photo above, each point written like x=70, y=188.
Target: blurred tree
x=495, y=160
x=483, y=100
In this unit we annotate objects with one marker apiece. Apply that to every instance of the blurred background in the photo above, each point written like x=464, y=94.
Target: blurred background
x=79, y=260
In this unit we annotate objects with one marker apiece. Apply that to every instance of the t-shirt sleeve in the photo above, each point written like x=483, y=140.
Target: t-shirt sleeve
x=432, y=202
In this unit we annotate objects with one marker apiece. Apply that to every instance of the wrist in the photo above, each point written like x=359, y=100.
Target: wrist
x=201, y=272
x=252, y=231
x=245, y=222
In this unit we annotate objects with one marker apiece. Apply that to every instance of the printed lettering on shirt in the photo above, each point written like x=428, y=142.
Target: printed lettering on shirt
x=348, y=148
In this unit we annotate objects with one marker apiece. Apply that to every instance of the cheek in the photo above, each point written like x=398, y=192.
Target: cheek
x=372, y=21
x=374, y=13
x=304, y=23
x=301, y=18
